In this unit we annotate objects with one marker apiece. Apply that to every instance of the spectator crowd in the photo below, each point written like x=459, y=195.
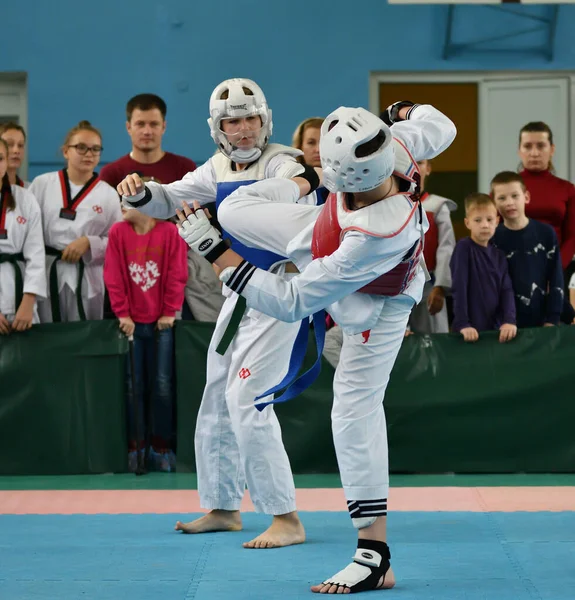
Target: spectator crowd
x=69, y=251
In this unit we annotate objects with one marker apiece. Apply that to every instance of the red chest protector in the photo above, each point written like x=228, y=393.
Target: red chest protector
x=431, y=243
x=327, y=236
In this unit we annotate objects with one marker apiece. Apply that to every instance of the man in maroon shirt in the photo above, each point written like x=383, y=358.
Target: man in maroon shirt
x=146, y=125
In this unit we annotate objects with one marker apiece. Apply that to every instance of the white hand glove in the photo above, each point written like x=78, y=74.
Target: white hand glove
x=197, y=231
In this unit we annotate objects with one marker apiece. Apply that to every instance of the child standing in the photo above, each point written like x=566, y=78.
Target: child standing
x=532, y=253
x=145, y=271
x=22, y=258
x=482, y=293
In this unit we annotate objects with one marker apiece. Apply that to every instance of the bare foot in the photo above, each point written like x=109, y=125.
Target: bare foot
x=285, y=530
x=215, y=520
x=334, y=589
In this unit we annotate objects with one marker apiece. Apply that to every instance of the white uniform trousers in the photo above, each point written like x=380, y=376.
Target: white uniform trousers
x=93, y=307
x=358, y=417
x=235, y=443
x=332, y=345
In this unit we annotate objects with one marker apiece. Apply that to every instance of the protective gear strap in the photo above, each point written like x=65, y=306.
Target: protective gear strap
x=147, y=197
x=391, y=114
x=311, y=176
x=216, y=252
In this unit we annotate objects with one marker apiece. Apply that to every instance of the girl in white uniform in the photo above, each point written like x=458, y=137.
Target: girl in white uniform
x=235, y=444
x=15, y=136
x=357, y=243
x=78, y=209
x=22, y=271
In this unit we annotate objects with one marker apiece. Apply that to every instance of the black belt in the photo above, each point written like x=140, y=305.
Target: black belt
x=54, y=293
x=233, y=325
x=237, y=315
x=14, y=259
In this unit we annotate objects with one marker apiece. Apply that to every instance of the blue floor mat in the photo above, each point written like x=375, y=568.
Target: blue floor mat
x=436, y=556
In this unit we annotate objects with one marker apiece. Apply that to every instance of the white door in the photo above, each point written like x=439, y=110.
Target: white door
x=505, y=106
x=13, y=108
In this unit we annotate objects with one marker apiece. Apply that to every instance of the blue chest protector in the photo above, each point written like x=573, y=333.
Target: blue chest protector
x=292, y=384
x=263, y=259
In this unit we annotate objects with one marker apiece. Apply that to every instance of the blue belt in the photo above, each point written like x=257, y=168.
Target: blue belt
x=291, y=383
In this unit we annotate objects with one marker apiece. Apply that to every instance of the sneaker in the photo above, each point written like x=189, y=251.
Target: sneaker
x=153, y=460
x=171, y=460
x=164, y=460
x=133, y=460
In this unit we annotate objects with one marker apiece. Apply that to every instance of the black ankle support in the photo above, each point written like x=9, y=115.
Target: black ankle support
x=363, y=552
x=376, y=545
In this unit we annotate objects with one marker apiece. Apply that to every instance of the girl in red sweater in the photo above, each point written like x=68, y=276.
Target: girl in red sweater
x=552, y=199
x=145, y=271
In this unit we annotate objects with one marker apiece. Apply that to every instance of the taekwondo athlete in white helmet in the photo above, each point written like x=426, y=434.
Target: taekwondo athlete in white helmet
x=236, y=445
x=361, y=256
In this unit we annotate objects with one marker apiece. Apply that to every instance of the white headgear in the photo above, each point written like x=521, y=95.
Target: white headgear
x=345, y=167
x=243, y=98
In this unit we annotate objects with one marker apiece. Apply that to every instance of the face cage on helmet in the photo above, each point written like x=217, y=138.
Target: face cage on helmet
x=263, y=134
x=260, y=111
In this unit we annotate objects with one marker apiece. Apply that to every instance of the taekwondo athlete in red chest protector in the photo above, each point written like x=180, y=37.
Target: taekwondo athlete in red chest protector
x=360, y=256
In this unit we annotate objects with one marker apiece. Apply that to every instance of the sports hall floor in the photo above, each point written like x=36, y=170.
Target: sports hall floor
x=111, y=537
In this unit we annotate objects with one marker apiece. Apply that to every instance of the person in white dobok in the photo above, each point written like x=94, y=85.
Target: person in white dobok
x=235, y=444
x=78, y=209
x=22, y=258
x=361, y=256
x=430, y=315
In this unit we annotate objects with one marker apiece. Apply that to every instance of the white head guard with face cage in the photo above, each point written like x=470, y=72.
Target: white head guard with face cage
x=237, y=99
x=345, y=168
